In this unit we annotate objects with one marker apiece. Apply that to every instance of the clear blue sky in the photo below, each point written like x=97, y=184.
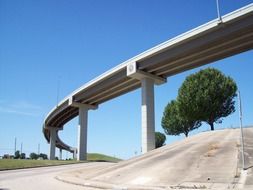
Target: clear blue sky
x=46, y=41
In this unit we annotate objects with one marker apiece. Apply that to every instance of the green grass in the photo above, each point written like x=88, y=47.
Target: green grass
x=102, y=157
x=7, y=164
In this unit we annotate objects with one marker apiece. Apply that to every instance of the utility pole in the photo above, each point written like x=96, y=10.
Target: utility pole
x=15, y=145
x=21, y=148
x=39, y=149
x=241, y=127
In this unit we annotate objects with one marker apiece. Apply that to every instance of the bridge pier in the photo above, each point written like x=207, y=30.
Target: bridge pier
x=147, y=115
x=52, y=143
x=82, y=128
x=82, y=133
x=60, y=154
x=75, y=154
x=148, y=81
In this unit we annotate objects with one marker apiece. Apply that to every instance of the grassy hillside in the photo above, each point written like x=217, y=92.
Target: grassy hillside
x=6, y=164
x=102, y=157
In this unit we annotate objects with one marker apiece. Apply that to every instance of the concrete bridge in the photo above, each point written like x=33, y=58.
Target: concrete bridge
x=215, y=40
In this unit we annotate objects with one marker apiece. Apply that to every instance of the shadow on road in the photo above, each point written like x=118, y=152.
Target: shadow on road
x=245, y=169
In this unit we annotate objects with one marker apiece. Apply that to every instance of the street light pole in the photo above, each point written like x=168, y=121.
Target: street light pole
x=21, y=148
x=241, y=127
x=218, y=10
x=15, y=145
x=39, y=149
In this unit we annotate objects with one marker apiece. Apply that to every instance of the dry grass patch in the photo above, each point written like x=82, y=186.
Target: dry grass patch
x=212, y=148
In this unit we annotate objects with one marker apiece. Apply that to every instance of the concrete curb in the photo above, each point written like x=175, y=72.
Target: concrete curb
x=105, y=185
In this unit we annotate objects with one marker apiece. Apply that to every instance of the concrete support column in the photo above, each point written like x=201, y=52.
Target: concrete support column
x=75, y=154
x=52, y=143
x=148, y=117
x=60, y=154
x=82, y=133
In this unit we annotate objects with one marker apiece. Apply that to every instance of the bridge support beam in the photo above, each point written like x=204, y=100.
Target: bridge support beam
x=147, y=115
x=82, y=133
x=75, y=154
x=60, y=154
x=82, y=128
x=148, y=80
x=52, y=143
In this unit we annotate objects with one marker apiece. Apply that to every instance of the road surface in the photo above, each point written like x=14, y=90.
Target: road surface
x=208, y=160
x=43, y=178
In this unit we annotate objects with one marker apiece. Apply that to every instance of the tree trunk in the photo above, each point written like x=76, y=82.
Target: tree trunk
x=212, y=127
x=186, y=134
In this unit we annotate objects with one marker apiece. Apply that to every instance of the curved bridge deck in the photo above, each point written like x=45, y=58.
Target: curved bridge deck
x=210, y=42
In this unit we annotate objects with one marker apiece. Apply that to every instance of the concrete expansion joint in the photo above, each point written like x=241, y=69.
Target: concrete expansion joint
x=81, y=105
x=134, y=72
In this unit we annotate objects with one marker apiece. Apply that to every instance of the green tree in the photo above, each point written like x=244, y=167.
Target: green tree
x=34, y=156
x=22, y=156
x=17, y=154
x=160, y=139
x=207, y=96
x=44, y=156
x=174, y=123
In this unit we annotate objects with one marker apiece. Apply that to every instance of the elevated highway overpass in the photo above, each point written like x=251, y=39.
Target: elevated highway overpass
x=215, y=40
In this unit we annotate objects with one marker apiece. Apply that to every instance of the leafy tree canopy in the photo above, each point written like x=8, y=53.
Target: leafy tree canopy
x=207, y=96
x=160, y=139
x=44, y=156
x=22, y=156
x=174, y=123
x=34, y=156
x=17, y=154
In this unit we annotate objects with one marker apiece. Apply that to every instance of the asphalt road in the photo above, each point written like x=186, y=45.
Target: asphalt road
x=43, y=178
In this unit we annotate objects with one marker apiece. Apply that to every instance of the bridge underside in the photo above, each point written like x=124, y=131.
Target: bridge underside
x=203, y=45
